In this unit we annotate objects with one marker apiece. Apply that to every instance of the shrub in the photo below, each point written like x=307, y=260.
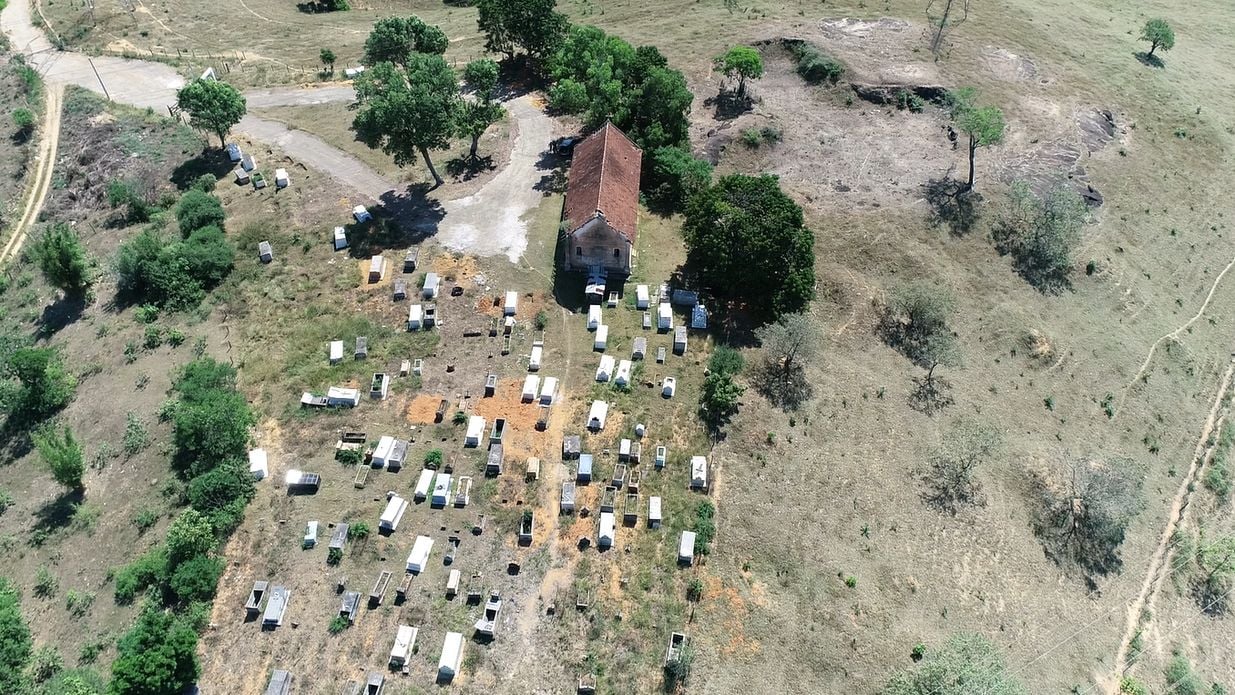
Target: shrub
x=338, y=624
x=205, y=183
x=158, y=655
x=694, y=589
x=152, y=337
x=459, y=418
x=45, y=385
x=189, y=535
x=726, y=360
x=78, y=602
x=175, y=337
x=123, y=194
x=6, y=500
x=349, y=457
x=814, y=66
x=145, y=519
x=196, y=579
x=675, y=177
x=45, y=583
x=148, y=570
x=541, y=320
x=63, y=261
x=62, y=454
x=433, y=459
x=23, y=119
x=16, y=639
x=45, y=663
x=198, y=209
x=334, y=556
x=136, y=437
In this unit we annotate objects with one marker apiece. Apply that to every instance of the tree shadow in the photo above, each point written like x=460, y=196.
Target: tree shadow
x=57, y=513
x=210, y=161
x=466, y=168
x=728, y=105
x=400, y=220
x=1151, y=61
x=22, y=135
x=953, y=204
x=59, y=314
x=554, y=179
x=930, y=395
x=787, y=391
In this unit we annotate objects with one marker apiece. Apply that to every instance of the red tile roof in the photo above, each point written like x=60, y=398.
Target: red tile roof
x=604, y=177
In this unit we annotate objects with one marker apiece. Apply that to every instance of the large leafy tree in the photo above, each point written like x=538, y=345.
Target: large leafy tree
x=45, y=385
x=984, y=125
x=1041, y=233
x=63, y=260
x=481, y=111
x=607, y=79
x=674, y=177
x=741, y=62
x=533, y=26
x=1159, y=34
x=395, y=39
x=212, y=105
x=748, y=244
x=211, y=429
x=62, y=454
x=156, y=657
x=965, y=665
x=408, y=110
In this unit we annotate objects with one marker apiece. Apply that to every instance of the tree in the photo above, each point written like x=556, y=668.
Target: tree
x=396, y=39
x=62, y=259
x=1216, y=562
x=206, y=256
x=788, y=345
x=327, y=57
x=189, y=535
x=408, y=110
x=157, y=656
x=62, y=454
x=1159, y=34
x=212, y=105
x=983, y=124
x=197, y=209
x=196, y=579
x=748, y=244
x=966, y=664
x=334, y=5
x=718, y=399
x=1084, y=512
x=477, y=114
x=915, y=322
x=610, y=80
x=217, y=488
x=950, y=474
x=944, y=16
x=742, y=62
x=530, y=25
x=15, y=642
x=78, y=681
x=1041, y=233
x=675, y=177
x=212, y=429
x=126, y=194
x=24, y=120
x=45, y=385
x=726, y=360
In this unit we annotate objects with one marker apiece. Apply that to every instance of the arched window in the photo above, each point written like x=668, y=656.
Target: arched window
x=617, y=253
x=578, y=250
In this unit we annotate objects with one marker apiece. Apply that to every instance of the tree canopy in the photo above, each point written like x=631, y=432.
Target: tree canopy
x=198, y=209
x=950, y=476
x=606, y=79
x=916, y=323
x=1041, y=233
x=1084, y=512
x=63, y=261
x=674, y=177
x=740, y=62
x=747, y=244
x=965, y=665
x=395, y=39
x=45, y=386
x=151, y=271
x=15, y=642
x=189, y=535
x=212, y=105
x=408, y=110
x=1159, y=34
x=62, y=454
x=789, y=344
x=157, y=656
x=983, y=124
x=533, y=26
x=475, y=115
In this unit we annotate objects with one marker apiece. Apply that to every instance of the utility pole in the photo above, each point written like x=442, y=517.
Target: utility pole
x=98, y=77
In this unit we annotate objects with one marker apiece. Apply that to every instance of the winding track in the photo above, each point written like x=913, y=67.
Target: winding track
x=49, y=141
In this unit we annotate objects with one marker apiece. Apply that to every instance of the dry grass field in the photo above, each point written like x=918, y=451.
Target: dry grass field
x=828, y=568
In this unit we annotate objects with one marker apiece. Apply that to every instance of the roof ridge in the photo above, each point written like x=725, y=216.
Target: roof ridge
x=604, y=153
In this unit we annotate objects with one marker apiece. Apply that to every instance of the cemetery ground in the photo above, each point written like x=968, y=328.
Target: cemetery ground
x=828, y=568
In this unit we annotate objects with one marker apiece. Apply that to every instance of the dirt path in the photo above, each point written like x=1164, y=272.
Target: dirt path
x=1173, y=335
x=1160, y=560
x=41, y=182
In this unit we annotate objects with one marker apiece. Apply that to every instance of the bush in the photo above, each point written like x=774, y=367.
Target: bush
x=349, y=457
x=334, y=556
x=196, y=579
x=541, y=320
x=358, y=531
x=6, y=500
x=16, y=644
x=23, y=119
x=152, y=337
x=174, y=275
x=146, y=571
x=210, y=429
x=45, y=385
x=338, y=624
x=145, y=519
x=726, y=360
x=63, y=261
x=814, y=66
x=433, y=459
x=123, y=194
x=205, y=183
x=675, y=177
x=78, y=602
x=189, y=535
x=45, y=663
x=159, y=655
x=62, y=454
x=45, y=583
x=198, y=209
x=704, y=527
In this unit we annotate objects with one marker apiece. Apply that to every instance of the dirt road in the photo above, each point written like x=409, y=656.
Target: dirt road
x=49, y=141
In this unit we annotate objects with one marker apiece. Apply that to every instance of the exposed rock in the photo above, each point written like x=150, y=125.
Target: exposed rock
x=883, y=94
x=1097, y=128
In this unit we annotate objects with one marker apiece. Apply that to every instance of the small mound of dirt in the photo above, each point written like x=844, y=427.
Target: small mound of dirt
x=1038, y=345
x=1009, y=66
x=1097, y=128
x=423, y=409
